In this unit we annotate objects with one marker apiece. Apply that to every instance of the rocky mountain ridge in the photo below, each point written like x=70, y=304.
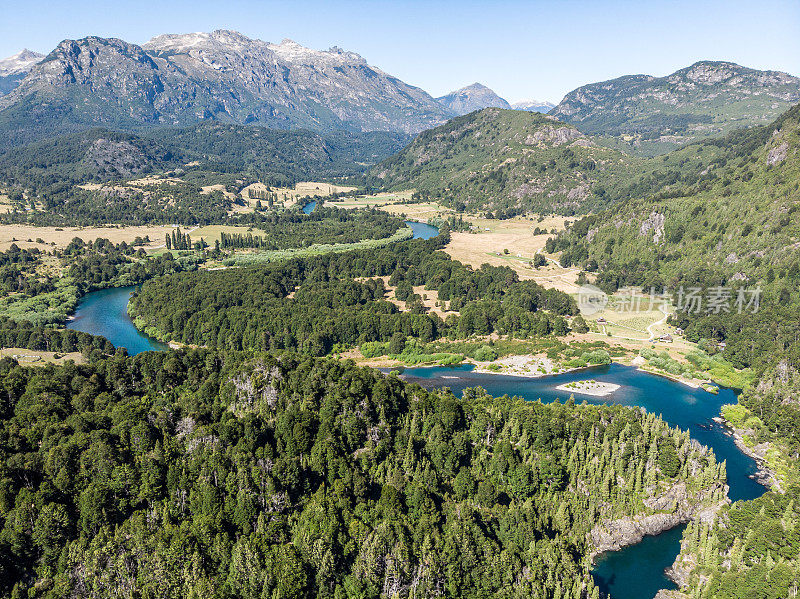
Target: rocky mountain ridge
x=179, y=80
x=652, y=115
x=534, y=105
x=14, y=68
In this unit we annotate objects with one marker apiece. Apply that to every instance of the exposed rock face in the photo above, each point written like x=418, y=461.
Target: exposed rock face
x=184, y=79
x=116, y=158
x=471, y=98
x=654, y=223
x=665, y=594
x=777, y=155
x=553, y=135
x=676, y=506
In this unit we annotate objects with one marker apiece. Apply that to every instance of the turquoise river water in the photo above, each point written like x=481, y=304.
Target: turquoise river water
x=635, y=572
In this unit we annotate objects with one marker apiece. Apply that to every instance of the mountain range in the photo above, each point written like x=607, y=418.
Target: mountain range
x=652, y=115
x=179, y=80
x=223, y=76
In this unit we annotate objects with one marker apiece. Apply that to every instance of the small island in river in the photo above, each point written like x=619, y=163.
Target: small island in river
x=589, y=387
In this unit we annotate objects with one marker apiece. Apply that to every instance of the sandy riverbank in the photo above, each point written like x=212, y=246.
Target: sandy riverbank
x=521, y=365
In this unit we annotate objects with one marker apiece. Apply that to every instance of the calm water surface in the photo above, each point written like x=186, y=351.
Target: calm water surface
x=309, y=208
x=422, y=230
x=105, y=313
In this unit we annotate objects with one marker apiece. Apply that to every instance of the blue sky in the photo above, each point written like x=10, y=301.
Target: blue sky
x=520, y=49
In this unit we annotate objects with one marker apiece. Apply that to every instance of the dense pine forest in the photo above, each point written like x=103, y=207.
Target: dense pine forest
x=198, y=473
x=317, y=303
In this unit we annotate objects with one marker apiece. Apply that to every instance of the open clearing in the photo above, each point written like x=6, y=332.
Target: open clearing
x=488, y=242
x=287, y=196
x=30, y=357
x=378, y=199
x=61, y=236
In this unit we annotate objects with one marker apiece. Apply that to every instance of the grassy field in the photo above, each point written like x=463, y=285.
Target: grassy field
x=490, y=239
x=487, y=243
x=30, y=357
x=25, y=236
x=378, y=199
x=288, y=196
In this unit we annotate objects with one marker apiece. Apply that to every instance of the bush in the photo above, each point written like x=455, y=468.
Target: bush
x=373, y=349
x=485, y=354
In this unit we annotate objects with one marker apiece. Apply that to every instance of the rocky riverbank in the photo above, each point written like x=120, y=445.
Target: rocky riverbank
x=672, y=508
x=764, y=475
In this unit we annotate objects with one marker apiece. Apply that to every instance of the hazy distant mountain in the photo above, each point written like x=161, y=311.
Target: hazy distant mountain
x=184, y=79
x=14, y=68
x=471, y=98
x=655, y=114
x=534, y=106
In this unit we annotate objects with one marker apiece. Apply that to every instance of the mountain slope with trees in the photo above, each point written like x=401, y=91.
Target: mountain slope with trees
x=652, y=115
x=509, y=162
x=269, y=155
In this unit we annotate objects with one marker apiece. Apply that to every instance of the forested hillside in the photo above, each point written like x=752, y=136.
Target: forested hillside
x=205, y=474
x=508, y=162
x=732, y=219
x=51, y=168
x=281, y=157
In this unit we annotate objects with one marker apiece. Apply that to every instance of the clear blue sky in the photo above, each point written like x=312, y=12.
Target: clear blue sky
x=520, y=49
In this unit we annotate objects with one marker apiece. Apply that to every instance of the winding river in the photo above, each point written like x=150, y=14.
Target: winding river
x=635, y=572
x=421, y=230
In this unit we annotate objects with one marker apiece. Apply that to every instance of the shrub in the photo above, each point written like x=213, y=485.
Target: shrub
x=485, y=354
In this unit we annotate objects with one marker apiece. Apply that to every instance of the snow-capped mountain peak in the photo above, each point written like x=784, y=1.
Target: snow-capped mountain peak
x=21, y=62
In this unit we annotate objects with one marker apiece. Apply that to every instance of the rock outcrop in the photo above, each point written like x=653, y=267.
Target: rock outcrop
x=672, y=508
